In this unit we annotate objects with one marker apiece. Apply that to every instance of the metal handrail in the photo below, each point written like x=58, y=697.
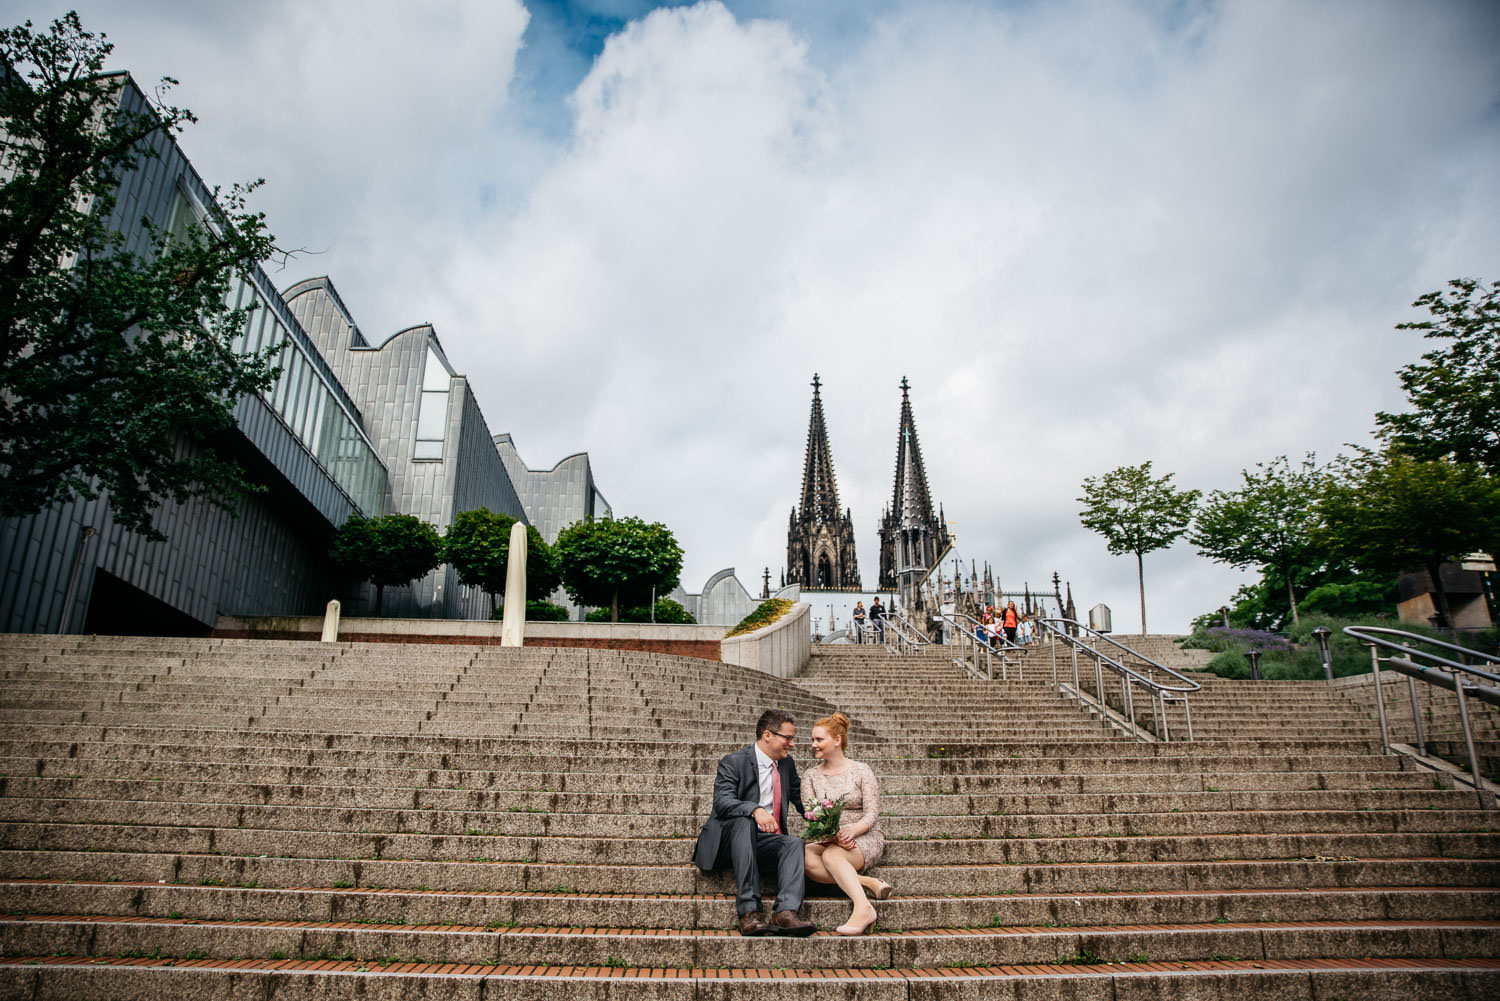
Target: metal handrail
x=965, y=634
x=892, y=631
x=1068, y=632
x=1403, y=660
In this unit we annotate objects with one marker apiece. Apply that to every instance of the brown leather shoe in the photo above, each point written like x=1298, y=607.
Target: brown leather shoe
x=751, y=923
x=787, y=923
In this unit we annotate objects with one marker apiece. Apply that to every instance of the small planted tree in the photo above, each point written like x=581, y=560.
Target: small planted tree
x=478, y=547
x=615, y=564
x=1137, y=514
x=389, y=551
x=1267, y=523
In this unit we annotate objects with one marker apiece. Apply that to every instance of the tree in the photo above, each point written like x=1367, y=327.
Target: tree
x=667, y=612
x=1394, y=512
x=1454, y=390
x=1136, y=514
x=1267, y=523
x=116, y=369
x=478, y=546
x=617, y=563
x=391, y=550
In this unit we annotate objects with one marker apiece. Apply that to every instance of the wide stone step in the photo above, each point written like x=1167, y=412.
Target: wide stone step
x=85, y=936
x=704, y=911
x=46, y=977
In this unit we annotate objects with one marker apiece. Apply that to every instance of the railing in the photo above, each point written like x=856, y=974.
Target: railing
x=979, y=655
x=1159, y=683
x=1442, y=671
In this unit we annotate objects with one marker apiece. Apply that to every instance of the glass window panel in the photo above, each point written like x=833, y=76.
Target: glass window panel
x=311, y=425
x=301, y=399
x=287, y=360
x=432, y=416
x=435, y=377
x=428, y=450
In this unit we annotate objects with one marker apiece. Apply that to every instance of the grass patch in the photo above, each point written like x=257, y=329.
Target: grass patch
x=765, y=613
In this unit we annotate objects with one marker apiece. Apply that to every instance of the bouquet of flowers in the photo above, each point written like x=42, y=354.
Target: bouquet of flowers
x=823, y=820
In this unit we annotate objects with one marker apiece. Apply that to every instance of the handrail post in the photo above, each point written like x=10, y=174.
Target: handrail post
x=1416, y=716
x=1463, y=716
x=1385, y=743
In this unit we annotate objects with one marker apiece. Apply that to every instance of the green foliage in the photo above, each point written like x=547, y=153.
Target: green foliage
x=668, y=612
x=1392, y=512
x=1267, y=523
x=545, y=611
x=1294, y=654
x=1333, y=589
x=617, y=563
x=1137, y=514
x=391, y=550
x=1454, y=390
x=117, y=374
x=478, y=547
x=765, y=613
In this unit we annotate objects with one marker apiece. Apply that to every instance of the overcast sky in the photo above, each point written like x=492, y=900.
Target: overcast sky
x=1090, y=234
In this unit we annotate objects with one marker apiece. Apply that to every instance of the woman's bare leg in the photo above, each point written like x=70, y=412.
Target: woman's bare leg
x=812, y=862
x=843, y=864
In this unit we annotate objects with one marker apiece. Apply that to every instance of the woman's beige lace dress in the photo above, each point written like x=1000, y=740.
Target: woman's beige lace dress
x=856, y=783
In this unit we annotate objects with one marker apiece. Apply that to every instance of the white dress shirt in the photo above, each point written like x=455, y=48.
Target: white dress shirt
x=766, y=769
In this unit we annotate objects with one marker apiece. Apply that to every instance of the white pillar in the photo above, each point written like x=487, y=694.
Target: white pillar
x=513, y=626
x=331, y=622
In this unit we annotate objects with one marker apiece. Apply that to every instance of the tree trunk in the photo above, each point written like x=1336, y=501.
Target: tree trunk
x=1291, y=595
x=614, y=606
x=379, y=598
x=1440, y=597
x=1140, y=576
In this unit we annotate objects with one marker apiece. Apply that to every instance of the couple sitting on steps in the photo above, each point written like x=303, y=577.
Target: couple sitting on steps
x=747, y=829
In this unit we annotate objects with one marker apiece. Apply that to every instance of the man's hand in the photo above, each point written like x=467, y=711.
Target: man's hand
x=764, y=820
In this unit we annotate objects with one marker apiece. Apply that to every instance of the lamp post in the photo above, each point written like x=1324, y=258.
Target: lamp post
x=1253, y=656
x=1321, y=634
x=1224, y=615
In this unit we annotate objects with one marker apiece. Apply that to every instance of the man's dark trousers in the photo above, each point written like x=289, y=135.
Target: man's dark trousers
x=749, y=851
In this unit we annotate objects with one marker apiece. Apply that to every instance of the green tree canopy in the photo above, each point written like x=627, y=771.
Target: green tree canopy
x=116, y=370
x=1136, y=513
x=477, y=544
x=1393, y=512
x=616, y=563
x=391, y=550
x=1454, y=391
x=1267, y=523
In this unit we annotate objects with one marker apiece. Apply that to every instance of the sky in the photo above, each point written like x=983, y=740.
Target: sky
x=1090, y=234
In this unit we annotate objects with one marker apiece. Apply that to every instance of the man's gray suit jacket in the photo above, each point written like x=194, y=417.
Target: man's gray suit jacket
x=737, y=794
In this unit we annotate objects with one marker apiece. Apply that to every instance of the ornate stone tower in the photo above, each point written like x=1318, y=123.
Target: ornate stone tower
x=912, y=537
x=820, y=537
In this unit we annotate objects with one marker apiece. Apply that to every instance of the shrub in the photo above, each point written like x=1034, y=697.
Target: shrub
x=765, y=613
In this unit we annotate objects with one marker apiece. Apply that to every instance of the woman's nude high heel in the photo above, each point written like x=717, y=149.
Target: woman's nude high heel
x=849, y=929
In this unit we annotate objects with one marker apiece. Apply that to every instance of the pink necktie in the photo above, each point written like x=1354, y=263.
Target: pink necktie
x=776, y=796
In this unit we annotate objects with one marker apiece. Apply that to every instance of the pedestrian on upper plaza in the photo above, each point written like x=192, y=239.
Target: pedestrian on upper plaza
x=1028, y=629
x=1011, y=621
x=755, y=790
x=877, y=619
x=859, y=622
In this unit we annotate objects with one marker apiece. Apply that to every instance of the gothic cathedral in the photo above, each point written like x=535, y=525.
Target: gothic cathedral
x=820, y=538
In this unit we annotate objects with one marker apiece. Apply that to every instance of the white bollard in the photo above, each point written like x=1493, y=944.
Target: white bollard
x=331, y=622
x=513, y=626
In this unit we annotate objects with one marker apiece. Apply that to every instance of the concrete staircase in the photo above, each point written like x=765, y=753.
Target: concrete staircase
x=227, y=819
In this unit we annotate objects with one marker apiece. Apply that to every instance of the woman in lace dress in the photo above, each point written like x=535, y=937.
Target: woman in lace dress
x=859, y=843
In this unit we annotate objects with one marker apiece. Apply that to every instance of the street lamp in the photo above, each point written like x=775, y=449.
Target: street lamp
x=1321, y=634
x=1253, y=656
x=1224, y=615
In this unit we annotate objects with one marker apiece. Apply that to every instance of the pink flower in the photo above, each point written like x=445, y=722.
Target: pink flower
x=828, y=804
x=809, y=815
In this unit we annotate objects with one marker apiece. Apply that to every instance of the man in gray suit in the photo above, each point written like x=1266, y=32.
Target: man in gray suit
x=747, y=829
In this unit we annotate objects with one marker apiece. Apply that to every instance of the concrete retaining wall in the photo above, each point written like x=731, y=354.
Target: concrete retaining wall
x=686, y=641
x=781, y=649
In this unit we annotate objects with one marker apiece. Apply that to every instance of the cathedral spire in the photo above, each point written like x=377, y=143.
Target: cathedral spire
x=820, y=537
x=912, y=536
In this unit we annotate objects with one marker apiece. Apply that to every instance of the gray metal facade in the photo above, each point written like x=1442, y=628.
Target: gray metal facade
x=457, y=470
x=554, y=498
x=270, y=558
x=346, y=428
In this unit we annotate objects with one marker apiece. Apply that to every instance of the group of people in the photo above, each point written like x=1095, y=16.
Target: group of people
x=1017, y=629
x=875, y=618
x=757, y=788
